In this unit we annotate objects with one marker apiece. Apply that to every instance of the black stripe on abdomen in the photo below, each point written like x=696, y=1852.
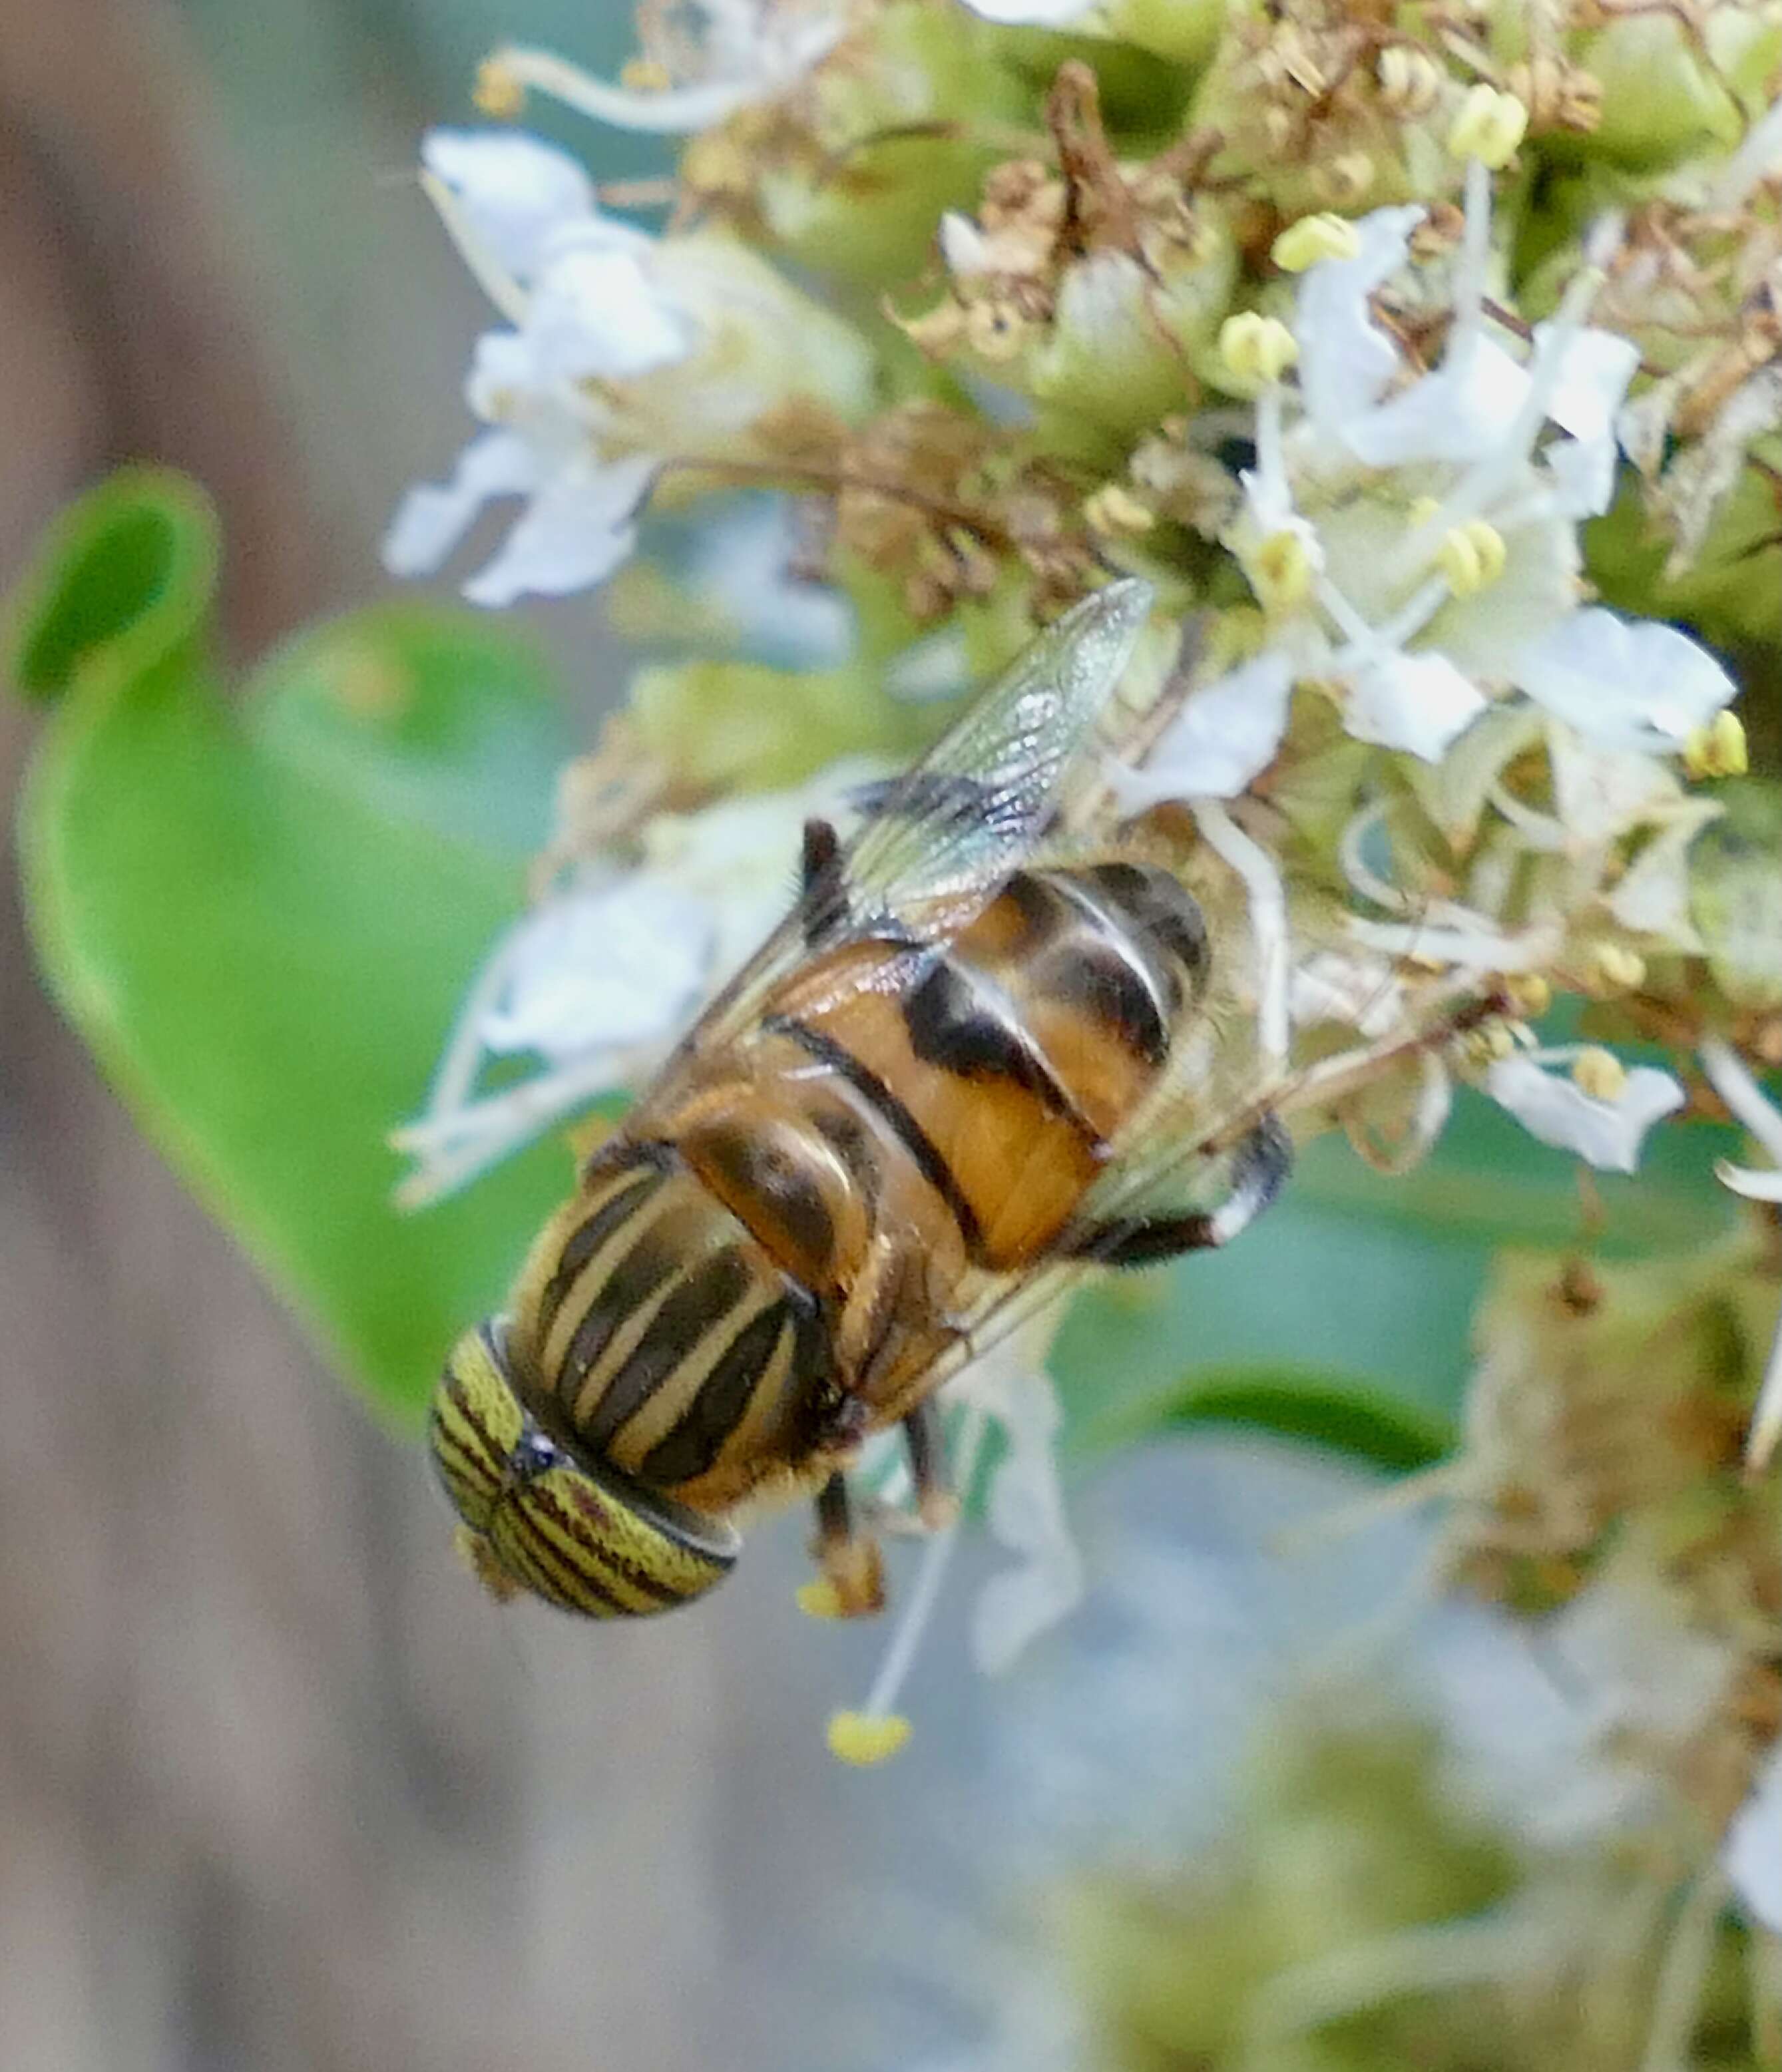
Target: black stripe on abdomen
x=909, y=1132
x=635, y=1188
x=712, y=1288
x=728, y=1391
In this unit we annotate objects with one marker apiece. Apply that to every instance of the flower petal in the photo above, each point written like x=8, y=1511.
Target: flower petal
x=1418, y=703
x=1027, y=1516
x=514, y=190
x=1346, y=360
x=598, y=314
x=1459, y=412
x=1031, y=14
x=1631, y=683
x=579, y=526
x=616, y=966
x=1592, y=377
x=1555, y=1109
x=1754, y=1848
x=432, y=518
x=1226, y=733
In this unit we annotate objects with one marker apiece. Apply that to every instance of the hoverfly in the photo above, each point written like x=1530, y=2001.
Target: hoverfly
x=957, y=1071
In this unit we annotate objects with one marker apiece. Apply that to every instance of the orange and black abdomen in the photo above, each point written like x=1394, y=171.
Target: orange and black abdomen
x=1009, y=1060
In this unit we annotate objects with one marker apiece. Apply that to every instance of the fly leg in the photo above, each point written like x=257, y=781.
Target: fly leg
x=1258, y=1172
x=848, y=1557
x=936, y=1504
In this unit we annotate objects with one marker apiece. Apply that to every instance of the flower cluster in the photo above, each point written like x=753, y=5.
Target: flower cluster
x=1416, y=361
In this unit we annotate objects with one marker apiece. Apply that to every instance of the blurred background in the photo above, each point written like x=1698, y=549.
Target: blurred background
x=278, y=1787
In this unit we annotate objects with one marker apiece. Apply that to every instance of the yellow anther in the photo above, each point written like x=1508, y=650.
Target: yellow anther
x=865, y=1738
x=1488, y=127
x=1423, y=509
x=1529, y=993
x=1116, y=513
x=1615, y=968
x=1280, y=571
x=1409, y=79
x=1488, y=1042
x=1718, y=749
x=1256, y=348
x=646, y=75
x=1313, y=238
x=821, y=1599
x=1472, y=557
x=1600, y=1074
x=498, y=92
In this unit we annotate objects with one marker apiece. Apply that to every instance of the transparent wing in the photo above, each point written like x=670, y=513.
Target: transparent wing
x=944, y=836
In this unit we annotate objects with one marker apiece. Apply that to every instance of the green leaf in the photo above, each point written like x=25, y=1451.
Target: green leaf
x=261, y=914
x=1343, y=1413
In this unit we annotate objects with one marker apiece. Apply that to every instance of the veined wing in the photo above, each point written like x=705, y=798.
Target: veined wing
x=946, y=835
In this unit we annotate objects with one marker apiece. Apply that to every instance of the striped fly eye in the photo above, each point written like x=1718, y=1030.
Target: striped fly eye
x=474, y=1424
x=603, y=1548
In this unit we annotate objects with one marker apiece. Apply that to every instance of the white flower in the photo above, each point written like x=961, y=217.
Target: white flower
x=744, y=569
x=605, y=975
x=1607, y=1134
x=750, y=52
x=1346, y=361
x=1032, y=14
x=1227, y=732
x=1026, y=1513
x=514, y=191
x=627, y=352
x=1419, y=703
x=1632, y=684
x=1754, y=1848
x=612, y=966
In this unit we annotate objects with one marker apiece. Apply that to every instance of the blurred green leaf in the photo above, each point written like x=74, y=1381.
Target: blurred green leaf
x=260, y=914
x=1351, y=1332
x=1343, y=1413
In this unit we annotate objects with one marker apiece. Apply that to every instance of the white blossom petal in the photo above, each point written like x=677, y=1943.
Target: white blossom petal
x=1026, y=1514
x=1031, y=14
x=1418, y=703
x=598, y=314
x=1553, y=1108
x=514, y=191
x=1749, y=1181
x=1590, y=381
x=1652, y=898
x=579, y=526
x=432, y=518
x=1345, y=360
x=1226, y=733
x=964, y=246
x=616, y=965
x=1632, y=683
x=1459, y=412
x=1754, y=1848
